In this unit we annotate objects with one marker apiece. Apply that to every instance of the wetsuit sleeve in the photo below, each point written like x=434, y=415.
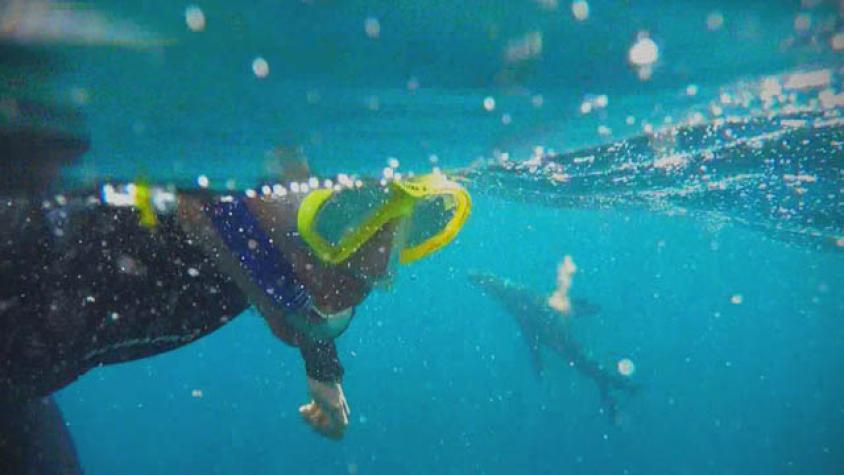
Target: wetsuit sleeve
x=321, y=360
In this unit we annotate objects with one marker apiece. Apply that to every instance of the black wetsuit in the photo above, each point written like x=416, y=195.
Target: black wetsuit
x=83, y=284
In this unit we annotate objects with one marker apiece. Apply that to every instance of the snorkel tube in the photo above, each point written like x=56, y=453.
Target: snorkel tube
x=403, y=197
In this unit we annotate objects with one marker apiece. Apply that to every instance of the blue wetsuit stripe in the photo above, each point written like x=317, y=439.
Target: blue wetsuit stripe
x=242, y=234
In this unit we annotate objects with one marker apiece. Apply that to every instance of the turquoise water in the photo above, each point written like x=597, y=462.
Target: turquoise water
x=730, y=309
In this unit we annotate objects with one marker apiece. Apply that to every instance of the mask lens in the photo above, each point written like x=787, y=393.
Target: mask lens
x=430, y=217
x=348, y=210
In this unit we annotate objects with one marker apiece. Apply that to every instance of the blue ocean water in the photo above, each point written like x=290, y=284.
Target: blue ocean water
x=439, y=378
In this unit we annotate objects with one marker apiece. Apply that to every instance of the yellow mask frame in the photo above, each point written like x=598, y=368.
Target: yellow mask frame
x=403, y=197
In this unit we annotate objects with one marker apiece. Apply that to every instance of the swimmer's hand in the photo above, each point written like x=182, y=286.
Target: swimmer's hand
x=328, y=412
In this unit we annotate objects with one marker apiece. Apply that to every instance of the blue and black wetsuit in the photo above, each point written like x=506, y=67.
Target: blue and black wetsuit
x=82, y=284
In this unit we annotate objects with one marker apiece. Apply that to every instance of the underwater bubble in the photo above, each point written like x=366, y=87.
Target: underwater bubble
x=736, y=299
x=79, y=95
x=691, y=90
x=489, y=103
x=585, y=107
x=393, y=162
x=580, y=10
x=644, y=51
x=202, y=181
x=197, y=393
x=537, y=100
x=548, y=4
x=626, y=367
x=601, y=101
x=630, y=120
x=837, y=41
x=714, y=21
x=372, y=27
x=523, y=48
x=260, y=67
x=802, y=22
x=194, y=18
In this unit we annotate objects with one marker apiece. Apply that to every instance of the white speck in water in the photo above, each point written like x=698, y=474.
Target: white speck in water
x=714, y=21
x=630, y=120
x=202, y=181
x=601, y=101
x=691, y=90
x=372, y=27
x=837, y=41
x=626, y=367
x=115, y=316
x=537, y=100
x=489, y=103
x=580, y=10
x=393, y=162
x=506, y=119
x=644, y=51
x=585, y=107
x=194, y=18
x=736, y=299
x=197, y=393
x=260, y=67
x=802, y=22
x=193, y=272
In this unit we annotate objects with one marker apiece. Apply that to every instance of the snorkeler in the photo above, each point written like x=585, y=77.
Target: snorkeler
x=91, y=279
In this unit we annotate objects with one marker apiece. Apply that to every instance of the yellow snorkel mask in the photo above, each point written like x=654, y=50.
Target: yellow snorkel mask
x=439, y=208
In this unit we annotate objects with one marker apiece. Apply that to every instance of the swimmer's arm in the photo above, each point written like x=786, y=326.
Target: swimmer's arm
x=321, y=361
x=327, y=412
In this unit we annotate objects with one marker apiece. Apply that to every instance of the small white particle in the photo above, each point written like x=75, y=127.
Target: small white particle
x=714, y=21
x=194, y=18
x=260, y=67
x=580, y=10
x=372, y=27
